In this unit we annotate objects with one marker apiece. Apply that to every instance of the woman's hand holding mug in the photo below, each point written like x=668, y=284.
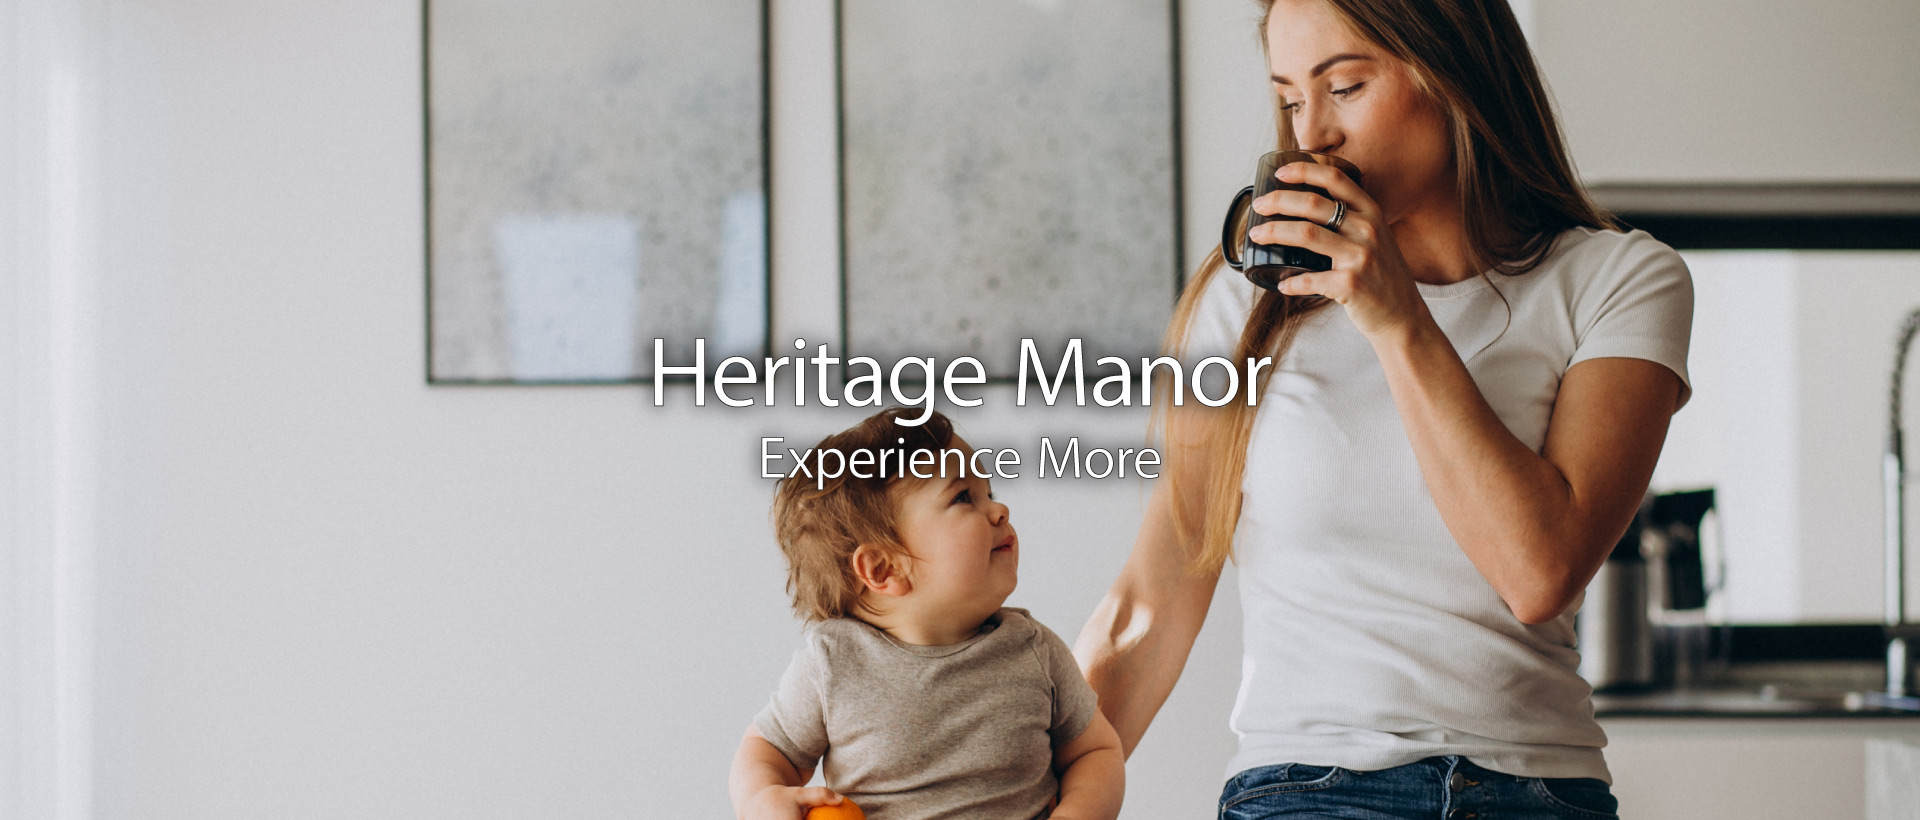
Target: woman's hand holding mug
x=1368, y=276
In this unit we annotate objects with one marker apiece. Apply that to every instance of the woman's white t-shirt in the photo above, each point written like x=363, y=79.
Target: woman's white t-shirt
x=1370, y=640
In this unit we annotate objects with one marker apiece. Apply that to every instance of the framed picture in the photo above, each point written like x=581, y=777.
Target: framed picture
x=596, y=179
x=1009, y=169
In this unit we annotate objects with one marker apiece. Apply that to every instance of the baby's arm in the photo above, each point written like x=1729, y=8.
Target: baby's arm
x=1093, y=773
x=764, y=785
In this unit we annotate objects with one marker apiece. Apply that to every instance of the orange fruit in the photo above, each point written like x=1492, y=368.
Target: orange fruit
x=845, y=811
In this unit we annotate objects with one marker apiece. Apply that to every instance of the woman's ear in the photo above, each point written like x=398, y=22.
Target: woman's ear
x=878, y=572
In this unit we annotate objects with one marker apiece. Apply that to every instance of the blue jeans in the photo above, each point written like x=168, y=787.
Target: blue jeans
x=1437, y=787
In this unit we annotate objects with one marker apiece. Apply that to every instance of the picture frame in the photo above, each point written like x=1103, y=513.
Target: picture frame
x=596, y=179
x=1009, y=169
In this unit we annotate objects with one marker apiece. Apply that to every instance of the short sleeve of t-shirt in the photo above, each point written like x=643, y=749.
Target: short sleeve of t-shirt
x=1640, y=306
x=1074, y=702
x=794, y=721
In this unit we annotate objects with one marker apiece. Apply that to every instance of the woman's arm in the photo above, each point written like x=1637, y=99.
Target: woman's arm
x=1536, y=526
x=1136, y=643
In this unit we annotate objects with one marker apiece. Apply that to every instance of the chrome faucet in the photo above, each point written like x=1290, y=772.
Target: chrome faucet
x=1899, y=692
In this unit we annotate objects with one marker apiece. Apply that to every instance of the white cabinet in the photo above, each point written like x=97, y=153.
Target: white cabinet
x=1745, y=768
x=1734, y=90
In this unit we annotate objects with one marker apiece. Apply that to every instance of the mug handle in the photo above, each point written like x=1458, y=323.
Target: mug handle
x=1226, y=231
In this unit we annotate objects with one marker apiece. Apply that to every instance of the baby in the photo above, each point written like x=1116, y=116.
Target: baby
x=925, y=696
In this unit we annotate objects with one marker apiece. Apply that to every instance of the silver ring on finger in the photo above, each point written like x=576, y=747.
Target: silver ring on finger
x=1339, y=216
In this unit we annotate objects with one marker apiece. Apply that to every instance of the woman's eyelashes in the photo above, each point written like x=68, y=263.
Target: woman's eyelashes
x=1342, y=93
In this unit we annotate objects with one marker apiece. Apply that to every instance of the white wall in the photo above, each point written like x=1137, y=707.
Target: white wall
x=329, y=590
x=49, y=186
x=1740, y=432
x=1851, y=304
x=1791, y=361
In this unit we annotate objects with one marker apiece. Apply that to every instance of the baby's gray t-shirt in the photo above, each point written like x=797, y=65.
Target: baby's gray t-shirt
x=929, y=732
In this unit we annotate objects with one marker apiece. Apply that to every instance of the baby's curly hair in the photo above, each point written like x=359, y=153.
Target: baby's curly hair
x=820, y=525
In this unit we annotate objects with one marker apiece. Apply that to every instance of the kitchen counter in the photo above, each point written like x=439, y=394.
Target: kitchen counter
x=1764, y=702
x=1822, y=689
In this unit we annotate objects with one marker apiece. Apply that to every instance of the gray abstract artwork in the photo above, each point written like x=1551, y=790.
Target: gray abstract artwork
x=596, y=180
x=1009, y=171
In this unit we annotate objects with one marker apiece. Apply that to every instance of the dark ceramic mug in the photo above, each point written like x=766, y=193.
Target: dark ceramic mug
x=1268, y=265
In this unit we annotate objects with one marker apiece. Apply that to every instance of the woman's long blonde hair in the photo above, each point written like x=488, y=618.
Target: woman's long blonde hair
x=1516, y=186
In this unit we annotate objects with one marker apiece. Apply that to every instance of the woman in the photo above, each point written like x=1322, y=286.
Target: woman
x=1447, y=447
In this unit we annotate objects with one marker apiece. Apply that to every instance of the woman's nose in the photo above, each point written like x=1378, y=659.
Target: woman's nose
x=1316, y=129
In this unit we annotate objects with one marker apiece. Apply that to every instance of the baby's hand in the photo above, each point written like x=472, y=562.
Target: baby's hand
x=788, y=803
